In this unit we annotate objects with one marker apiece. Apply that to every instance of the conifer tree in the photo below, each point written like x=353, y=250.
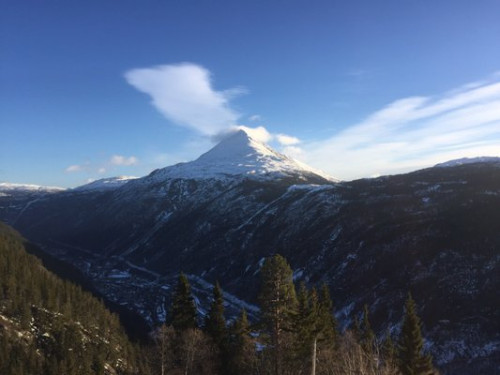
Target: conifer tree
x=317, y=326
x=412, y=360
x=278, y=301
x=183, y=309
x=329, y=323
x=215, y=322
x=304, y=324
x=242, y=349
x=324, y=329
x=215, y=326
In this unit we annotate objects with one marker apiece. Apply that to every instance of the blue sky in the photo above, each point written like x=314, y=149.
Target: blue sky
x=91, y=89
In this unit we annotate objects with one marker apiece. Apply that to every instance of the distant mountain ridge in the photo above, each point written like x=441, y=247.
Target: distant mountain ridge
x=105, y=183
x=462, y=161
x=7, y=186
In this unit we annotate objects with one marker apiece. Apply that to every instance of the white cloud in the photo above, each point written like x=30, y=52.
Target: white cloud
x=287, y=140
x=100, y=168
x=413, y=133
x=73, y=168
x=183, y=93
x=259, y=133
x=123, y=160
x=254, y=118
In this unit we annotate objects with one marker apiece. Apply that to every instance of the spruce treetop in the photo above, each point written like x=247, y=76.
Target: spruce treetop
x=412, y=360
x=183, y=311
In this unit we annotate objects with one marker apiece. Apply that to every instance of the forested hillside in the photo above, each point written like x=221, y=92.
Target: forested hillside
x=50, y=326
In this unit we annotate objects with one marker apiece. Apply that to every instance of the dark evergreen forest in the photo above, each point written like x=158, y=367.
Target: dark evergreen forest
x=51, y=326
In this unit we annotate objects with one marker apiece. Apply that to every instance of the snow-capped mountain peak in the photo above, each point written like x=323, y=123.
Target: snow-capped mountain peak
x=240, y=155
x=238, y=147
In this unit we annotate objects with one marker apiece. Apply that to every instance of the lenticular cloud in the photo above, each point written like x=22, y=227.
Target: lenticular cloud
x=183, y=93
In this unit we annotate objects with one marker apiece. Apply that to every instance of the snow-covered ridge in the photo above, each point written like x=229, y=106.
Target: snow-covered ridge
x=239, y=155
x=7, y=186
x=462, y=161
x=105, y=183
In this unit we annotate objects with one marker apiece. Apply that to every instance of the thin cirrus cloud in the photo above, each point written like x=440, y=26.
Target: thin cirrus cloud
x=255, y=118
x=73, y=168
x=413, y=133
x=123, y=160
x=103, y=167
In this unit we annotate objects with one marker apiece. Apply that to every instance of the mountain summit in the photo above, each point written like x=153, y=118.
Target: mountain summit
x=241, y=155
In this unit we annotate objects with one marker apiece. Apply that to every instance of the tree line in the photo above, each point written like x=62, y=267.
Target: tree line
x=296, y=334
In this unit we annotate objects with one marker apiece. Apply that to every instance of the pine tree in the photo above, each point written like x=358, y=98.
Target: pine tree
x=183, y=309
x=278, y=301
x=324, y=325
x=304, y=324
x=242, y=348
x=215, y=322
x=215, y=327
x=316, y=326
x=329, y=323
x=412, y=361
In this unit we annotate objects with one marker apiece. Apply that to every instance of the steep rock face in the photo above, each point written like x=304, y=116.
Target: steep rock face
x=434, y=232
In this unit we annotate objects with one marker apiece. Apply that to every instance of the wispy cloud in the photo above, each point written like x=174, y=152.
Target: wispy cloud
x=102, y=167
x=123, y=160
x=287, y=140
x=414, y=132
x=183, y=93
x=255, y=118
x=73, y=168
